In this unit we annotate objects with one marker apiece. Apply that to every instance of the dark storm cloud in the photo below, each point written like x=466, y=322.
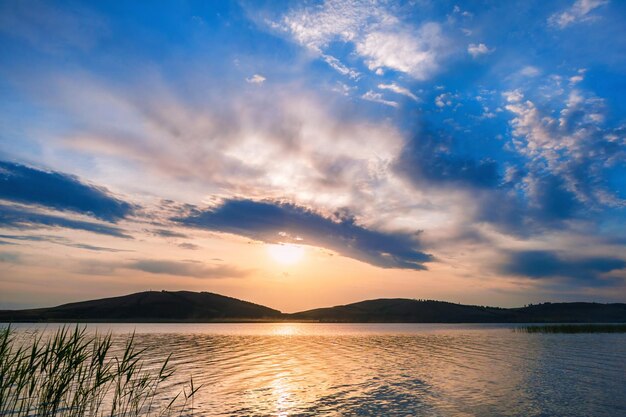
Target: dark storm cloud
x=266, y=221
x=538, y=264
x=23, y=219
x=22, y=184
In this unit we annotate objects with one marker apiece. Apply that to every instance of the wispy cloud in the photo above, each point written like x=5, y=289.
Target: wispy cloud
x=320, y=151
x=256, y=79
x=578, y=12
x=189, y=246
x=476, y=50
x=561, y=138
x=167, y=233
x=22, y=218
x=60, y=241
x=529, y=71
x=414, y=52
x=175, y=268
x=186, y=269
x=10, y=257
x=443, y=100
x=338, y=66
x=378, y=98
x=379, y=37
x=398, y=90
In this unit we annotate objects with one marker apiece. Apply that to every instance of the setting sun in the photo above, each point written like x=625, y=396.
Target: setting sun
x=286, y=254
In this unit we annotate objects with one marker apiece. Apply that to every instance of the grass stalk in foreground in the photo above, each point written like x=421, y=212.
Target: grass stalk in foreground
x=72, y=374
x=573, y=328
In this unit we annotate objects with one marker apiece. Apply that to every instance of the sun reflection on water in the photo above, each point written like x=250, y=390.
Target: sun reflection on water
x=283, y=397
x=296, y=369
x=286, y=329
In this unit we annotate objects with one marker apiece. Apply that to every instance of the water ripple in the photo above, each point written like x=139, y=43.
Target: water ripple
x=389, y=370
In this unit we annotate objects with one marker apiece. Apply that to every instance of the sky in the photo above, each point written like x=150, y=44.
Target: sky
x=308, y=154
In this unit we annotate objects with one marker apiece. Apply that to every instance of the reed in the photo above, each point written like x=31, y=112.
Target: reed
x=573, y=328
x=74, y=374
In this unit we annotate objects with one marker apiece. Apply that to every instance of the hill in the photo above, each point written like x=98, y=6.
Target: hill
x=186, y=306
x=150, y=306
x=427, y=311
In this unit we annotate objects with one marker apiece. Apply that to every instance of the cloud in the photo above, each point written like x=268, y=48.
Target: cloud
x=565, y=137
x=517, y=200
x=529, y=71
x=578, y=12
x=398, y=90
x=565, y=153
x=513, y=96
x=317, y=26
x=96, y=248
x=550, y=199
x=59, y=191
x=539, y=264
x=575, y=79
x=190, y=246
x=414, y=52
x=256, y=79
x=378, y=98
x=429, y=159
x=186, y=269
x=476, y=50
x=24, y=219
x=378, y=36
x=338, y=66
x=60, y=241
x=443, y=100
x=327, y=156
x=168, y=233
x=10, y=257
x=276, y=222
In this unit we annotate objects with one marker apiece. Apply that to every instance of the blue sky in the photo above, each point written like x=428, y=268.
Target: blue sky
x=471, y=151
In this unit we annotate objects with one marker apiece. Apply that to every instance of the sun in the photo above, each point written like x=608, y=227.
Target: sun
x=285, y=253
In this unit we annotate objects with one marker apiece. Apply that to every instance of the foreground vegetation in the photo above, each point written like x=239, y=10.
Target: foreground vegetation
x=573, y=328
x=72, y=373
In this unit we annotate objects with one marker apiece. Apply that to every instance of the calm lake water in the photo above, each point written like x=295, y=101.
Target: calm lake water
x=387, y=369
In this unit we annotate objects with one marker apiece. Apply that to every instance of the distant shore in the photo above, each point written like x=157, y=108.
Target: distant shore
x=205, y=307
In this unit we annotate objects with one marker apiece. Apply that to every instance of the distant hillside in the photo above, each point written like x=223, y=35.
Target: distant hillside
x=150, y=306
x=573, y=312
x=418, y=311
x=186, y=306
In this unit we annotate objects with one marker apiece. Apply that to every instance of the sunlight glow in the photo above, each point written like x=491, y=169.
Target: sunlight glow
x=286, y=253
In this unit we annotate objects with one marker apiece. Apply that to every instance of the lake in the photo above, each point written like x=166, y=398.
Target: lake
x=310, y=369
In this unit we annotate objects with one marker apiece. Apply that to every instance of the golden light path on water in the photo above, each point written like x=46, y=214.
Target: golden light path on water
x=307, y=369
